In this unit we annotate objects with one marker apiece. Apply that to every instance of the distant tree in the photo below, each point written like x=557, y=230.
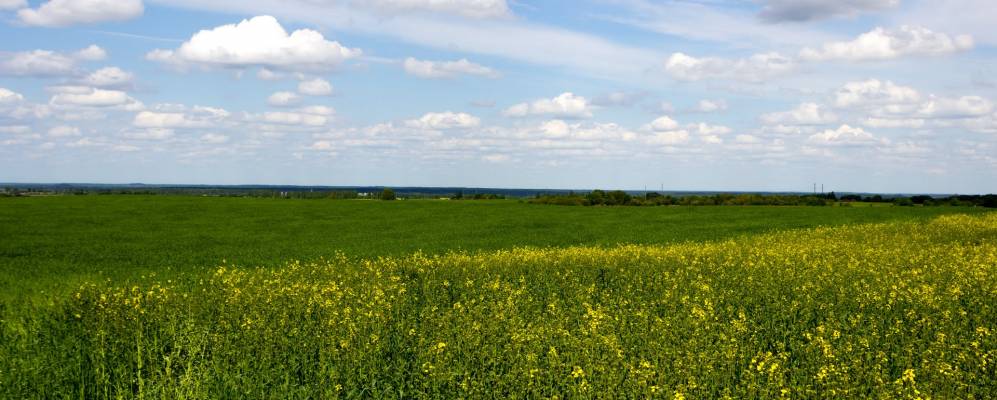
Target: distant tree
x=920, y=199
x=990, y=201
x=903, y=201
x=387, y=194
x=596, y=197
x=459, y=195
x=618, y=197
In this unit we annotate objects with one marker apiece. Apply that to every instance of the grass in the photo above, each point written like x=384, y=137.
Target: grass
x=50, y=243
x=902, y=309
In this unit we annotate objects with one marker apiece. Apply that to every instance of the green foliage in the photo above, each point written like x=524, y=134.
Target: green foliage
x=897, y=310
x=620, y=198
x=387, y=194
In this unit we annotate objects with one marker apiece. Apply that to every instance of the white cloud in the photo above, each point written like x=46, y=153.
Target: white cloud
x=471, y=9
x=565, y=105
x=496, y=158
x=15, y=129
x=294, y=118
x=259, y=41
x=804, y=114
x=151, y=133
x=668, y=138
x=269, y=75
x=64, y=131
x=874, y=92
x=150, y=119
x=885, y=44
x=37, y=63
x=892, y=123
x=516, y=39
x=109, y=77
x=8, y=96
x=47, y=63
x=756, y=68
x=315, y=87
x=60, y=13
x=214, y=138
x=663, y=123
x=13, y=4
x=91, y=53
x=445, y=120
x=961, y=107
x=283, y=99
x=746, y=139
x=446, y=69
x=808, y=10
x=708, y=106
x=318, y=110
x=91, y=97
x=705, y=129
x=844, y=136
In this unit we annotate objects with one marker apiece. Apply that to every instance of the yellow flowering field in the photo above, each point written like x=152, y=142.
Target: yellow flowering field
x=896, y=310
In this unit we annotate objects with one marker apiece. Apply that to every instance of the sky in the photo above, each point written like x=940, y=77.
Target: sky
x=890, y=96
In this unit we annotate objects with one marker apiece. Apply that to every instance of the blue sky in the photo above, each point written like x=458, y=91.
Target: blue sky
x=860, y=95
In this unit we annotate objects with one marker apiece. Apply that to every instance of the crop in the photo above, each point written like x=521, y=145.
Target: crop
x=49, y=245
x=890, y=310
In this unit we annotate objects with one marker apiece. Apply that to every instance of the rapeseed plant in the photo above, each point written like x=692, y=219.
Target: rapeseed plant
x=894, y=310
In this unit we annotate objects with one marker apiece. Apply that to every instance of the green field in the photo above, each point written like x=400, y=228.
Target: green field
x=55, y=240
x=108, y=296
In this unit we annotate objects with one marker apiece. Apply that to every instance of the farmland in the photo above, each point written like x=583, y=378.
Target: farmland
x=108, y=296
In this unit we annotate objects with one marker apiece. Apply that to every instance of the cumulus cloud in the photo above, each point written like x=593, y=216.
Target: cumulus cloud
x=471, y=9
x=13, y=4
x=259, y=41
x=663, y=123
x=283, y=99
x=214, y=138
x=91, y=53
x=874, y=92
x=446, y=69
x=170, y=120
x=82, y=96
x=445, y=120
x=302, y=118
x=151, y=133
x=804, y=114
x=60, y=13
x=960, y=107
x=46, y=63
x=705, y=129
x=809, y=10
x=665, y=131
x=109, y=77
x=884, y=104
x=886, y=44
x=708, y=106
x=315, y=87
x=844, y=135
x=8, y=96
x=64, y=131
x=565, y=105
x=756, y=68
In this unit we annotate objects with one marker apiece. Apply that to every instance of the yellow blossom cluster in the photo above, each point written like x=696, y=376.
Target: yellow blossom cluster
x=894, y=310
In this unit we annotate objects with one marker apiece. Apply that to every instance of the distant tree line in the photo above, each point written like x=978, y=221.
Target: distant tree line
x=476, y=196
x=621, y=198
